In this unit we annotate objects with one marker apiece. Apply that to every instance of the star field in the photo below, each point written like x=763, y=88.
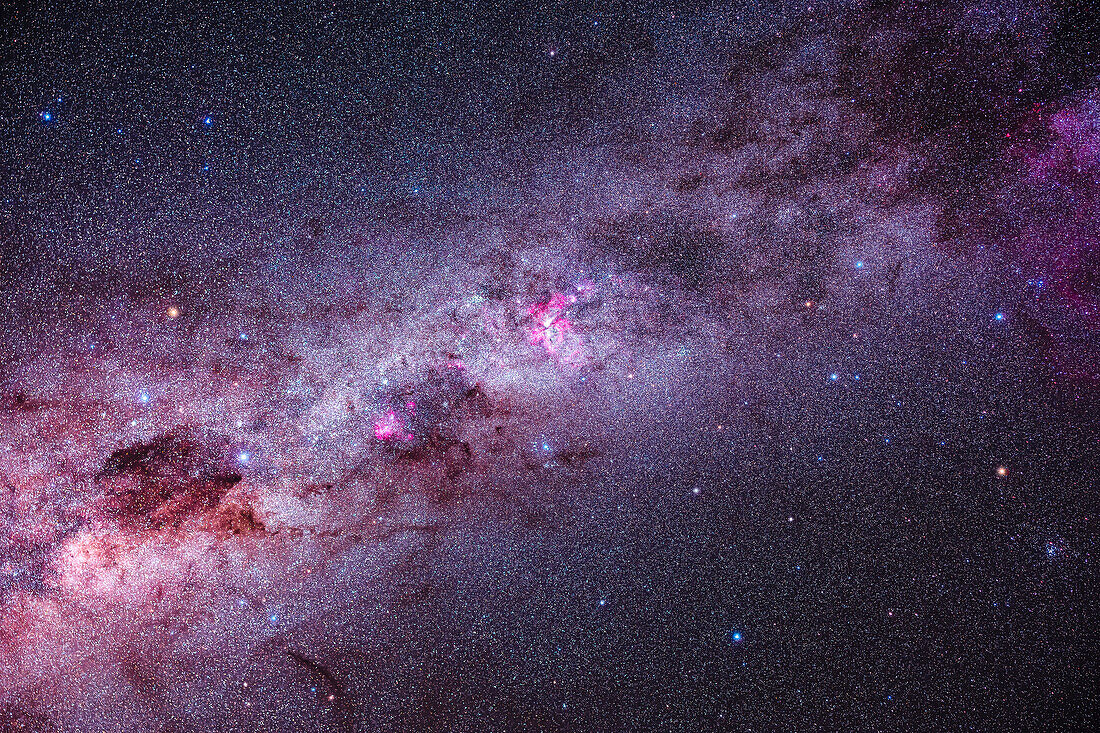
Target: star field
x=573, y=366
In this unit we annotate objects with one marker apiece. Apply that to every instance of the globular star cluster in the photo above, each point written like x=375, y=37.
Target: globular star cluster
x=554, y=367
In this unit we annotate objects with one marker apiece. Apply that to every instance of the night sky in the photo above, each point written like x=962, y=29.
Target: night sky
x=579, y=366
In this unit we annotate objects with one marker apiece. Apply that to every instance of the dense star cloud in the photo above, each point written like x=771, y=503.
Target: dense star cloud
x=576, y=366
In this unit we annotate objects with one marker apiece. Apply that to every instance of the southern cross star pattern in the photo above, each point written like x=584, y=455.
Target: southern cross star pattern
x=575, y=366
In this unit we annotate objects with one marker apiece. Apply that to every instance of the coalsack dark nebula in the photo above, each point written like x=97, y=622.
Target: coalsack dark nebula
x=585, y=366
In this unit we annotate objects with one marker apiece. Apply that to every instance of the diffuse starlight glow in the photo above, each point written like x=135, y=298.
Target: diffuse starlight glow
x=687, y=375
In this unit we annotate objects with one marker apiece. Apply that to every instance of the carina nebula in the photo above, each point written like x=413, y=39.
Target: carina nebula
x=566, y=366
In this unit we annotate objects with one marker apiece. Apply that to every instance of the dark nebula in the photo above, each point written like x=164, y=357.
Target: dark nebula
x=576, y=366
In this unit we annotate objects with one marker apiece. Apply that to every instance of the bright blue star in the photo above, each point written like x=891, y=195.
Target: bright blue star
x=859, y=264
x=998, y=316
x=244, y=457
x=144, y=397
x=735, y=637
x=208, y=120
x=46, y=115
x=834, y=376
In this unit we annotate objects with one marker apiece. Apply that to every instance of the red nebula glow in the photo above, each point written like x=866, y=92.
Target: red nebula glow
x=1076, y=143
x=550, y=324
x=391, y=427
